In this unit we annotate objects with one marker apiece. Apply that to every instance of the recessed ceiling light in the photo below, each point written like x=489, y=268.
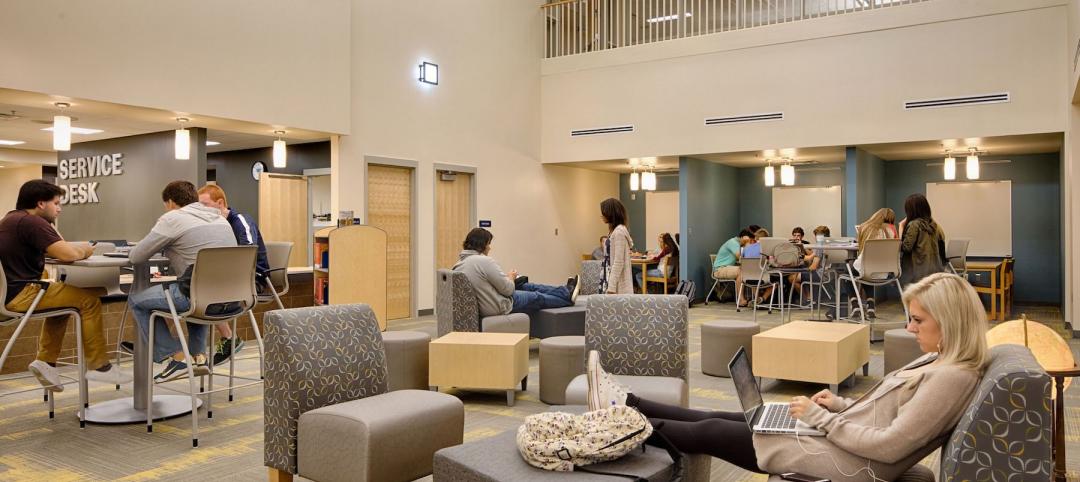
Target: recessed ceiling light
x=79, y=130
x=213, y=143
x=10, y=143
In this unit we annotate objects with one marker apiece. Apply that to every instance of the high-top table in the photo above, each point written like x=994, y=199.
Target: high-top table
x=852, y=251
x=132, y=410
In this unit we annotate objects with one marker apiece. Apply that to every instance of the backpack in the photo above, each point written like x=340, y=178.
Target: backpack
x=562, y=441
x=786, y=255
x=686, y=288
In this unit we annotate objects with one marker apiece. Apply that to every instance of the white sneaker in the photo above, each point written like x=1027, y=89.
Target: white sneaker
x=112, y=376
x=604, y=391
x=47, y=375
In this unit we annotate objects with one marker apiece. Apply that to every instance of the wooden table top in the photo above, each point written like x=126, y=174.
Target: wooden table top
x=480, y=338
x=984, y=265
x=813, y=331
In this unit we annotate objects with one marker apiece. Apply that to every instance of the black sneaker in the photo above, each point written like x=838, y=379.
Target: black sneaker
x=871, y=312
x=127, y=347
x=226, y=348
x=573, y=286
x=174, y=370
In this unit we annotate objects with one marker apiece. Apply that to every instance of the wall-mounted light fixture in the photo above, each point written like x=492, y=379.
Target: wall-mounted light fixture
x=429, y=73
x=62, y=129
x=279, y=150
x=182, y=144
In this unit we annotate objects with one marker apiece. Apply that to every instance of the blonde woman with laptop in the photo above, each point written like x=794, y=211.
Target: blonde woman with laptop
x=875, y=437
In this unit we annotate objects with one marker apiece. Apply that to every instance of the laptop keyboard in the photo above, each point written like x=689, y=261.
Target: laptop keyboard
x=777, y=417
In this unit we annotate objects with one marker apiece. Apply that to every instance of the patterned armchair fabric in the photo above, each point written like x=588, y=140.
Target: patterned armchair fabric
x=591, y=273
x=640, y=335
x=455, y=303
x=315, y=357
x=1005, y=433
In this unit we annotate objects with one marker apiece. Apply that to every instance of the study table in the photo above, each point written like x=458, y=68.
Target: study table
x=132, y=410
x=643, y=263
x=1000, y=284
x=852, y=250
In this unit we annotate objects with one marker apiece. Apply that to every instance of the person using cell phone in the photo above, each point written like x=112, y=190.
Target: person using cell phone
x=875, y=437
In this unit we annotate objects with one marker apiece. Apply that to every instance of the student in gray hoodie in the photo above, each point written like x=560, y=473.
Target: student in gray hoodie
x=184, y=229
x=496, y=292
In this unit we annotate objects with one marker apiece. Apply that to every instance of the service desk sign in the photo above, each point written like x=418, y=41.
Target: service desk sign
x=87, y=168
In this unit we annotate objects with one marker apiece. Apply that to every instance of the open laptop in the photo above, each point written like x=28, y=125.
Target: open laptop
x=771, y=418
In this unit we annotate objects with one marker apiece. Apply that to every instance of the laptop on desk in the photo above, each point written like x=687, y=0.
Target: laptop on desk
x=769, y=418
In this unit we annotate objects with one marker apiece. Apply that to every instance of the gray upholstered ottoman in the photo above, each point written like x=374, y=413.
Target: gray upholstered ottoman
x=340, y=442
x=719, y=342
x=566, y=321
x=406, y=359
x=512, y=323
x=669, y=390
x=900, y=349
x=496, y=459
x=561, y=359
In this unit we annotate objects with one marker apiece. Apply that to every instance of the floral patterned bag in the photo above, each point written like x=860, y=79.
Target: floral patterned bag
x=562, y=441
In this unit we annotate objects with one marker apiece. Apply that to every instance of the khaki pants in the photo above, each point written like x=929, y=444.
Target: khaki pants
x=60, y=295
x=726, y=272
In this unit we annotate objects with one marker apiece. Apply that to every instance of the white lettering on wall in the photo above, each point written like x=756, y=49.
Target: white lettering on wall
x=84, y=167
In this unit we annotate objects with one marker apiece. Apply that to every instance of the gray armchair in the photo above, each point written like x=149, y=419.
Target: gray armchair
x=591, y=274
x=456, y=308
x=643, y=340
x=327, y=413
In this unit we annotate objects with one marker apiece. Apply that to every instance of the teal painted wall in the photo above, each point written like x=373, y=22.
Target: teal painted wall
x=865, y=180
x=635, y=203
x=755, y=200
x=1036, y=213
x=708, y=201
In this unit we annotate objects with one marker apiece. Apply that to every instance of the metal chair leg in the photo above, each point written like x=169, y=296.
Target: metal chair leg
x=258, y=338
x=120, y=337
x=232, y=362
x=84, y=401
x=150, y=375
x=190, y=369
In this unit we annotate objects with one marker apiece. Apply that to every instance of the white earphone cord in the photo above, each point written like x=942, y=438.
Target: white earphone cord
x=868, y=470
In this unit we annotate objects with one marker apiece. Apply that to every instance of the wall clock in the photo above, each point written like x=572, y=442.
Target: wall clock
x=257, y=168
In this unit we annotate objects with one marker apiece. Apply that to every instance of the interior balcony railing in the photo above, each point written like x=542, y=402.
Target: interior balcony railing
x=579, y=26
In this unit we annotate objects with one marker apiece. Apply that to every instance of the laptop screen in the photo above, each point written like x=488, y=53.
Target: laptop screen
x=745, y=384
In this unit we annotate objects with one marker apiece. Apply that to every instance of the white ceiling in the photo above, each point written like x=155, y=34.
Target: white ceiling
x=34, y=111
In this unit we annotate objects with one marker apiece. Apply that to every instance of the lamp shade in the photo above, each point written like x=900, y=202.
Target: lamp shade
x=635, y=181
x=648, y=181
x=62, y=133
x=787, y=175
x=183, y=144
x=950, y=168
x=972, y=166
x=279, y=153
x=1050, y=349
x=770, y=176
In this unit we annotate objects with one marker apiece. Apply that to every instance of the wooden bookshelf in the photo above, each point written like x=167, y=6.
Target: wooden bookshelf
x=355, y=271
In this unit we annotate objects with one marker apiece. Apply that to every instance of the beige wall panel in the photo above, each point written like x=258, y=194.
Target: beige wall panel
x=390, y=209
x=283, y=213
x=12, y=178
x=453, y=217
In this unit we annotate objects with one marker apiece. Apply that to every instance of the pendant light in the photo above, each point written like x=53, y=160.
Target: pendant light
x=635, y=181
x=648, y=180
x=62, y=129
x=182, y=144
x=279, y=150
x=770, y=175
x=950, y=167
x=787, y=174
x=972, y=164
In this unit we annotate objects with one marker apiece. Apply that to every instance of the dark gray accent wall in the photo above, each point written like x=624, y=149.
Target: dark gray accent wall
x=635, y=203
x=755, y=199
x=865, y=187
x=233, y=170
x=130, y=204
x=708, y=202
x=1036, y=213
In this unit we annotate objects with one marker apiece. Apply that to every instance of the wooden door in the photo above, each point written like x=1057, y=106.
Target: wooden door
x=453, y=217
x=283, y=213
x=390, y=209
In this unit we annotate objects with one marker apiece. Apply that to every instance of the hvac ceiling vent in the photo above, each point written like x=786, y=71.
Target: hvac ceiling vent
x=601, y=130
x=11, y=116
x=742, y=119
x=958, y=101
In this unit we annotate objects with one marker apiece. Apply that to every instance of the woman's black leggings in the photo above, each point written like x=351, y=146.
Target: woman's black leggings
x=723, y=435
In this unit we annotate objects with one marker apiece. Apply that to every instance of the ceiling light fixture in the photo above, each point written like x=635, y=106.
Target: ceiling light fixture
x=770, y=175
x=648, y=178
x=635, y=178
x=213, y=143
x=182, y=144
x=950, y=166
x=972, y=163
x=4, y=142
x=787, y=174
x=61, y=129
x=279, y=150
x=78, y=130
x=429, y=73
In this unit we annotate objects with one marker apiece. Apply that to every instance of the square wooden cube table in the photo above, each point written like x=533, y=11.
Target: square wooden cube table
x=813, y=352
x=489, y=361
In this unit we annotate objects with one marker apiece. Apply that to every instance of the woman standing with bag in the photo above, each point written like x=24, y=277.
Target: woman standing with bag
x=617, y=278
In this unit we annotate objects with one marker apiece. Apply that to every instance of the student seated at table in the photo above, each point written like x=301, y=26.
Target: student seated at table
x=598, y=253
x=668, y=250
x=496, y=292
x=184, y=229
x=811, y=257
x=26, y=236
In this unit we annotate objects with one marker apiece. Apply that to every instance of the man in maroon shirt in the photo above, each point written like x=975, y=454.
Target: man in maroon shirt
x=26, y=237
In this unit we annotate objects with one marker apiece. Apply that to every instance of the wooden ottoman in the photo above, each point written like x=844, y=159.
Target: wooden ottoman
x=489, y=361
x=813, y=352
